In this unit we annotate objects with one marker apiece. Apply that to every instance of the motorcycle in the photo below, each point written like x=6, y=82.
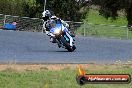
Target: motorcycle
x=61, y=38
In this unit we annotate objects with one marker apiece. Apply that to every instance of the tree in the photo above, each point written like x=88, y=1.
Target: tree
x=65, y=9
x=29, y=10
x=73, y=10
x=110, y=8
x=11, y=7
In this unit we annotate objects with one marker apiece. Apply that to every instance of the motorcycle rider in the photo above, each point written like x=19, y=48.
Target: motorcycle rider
x=47, y=18
x=46, y=15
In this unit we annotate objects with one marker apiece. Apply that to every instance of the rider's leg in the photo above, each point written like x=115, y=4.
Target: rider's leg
x=66, y=30
x=72, y=35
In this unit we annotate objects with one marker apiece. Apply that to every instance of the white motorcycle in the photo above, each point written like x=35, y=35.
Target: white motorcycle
x=61, y=37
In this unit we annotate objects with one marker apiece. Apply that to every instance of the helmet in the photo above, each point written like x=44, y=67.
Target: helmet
x=46, y=13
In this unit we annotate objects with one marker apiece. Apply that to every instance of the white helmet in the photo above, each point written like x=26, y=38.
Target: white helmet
x=46, y=13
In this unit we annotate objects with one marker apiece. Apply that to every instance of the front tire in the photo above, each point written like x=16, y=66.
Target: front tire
x=67, y=45
x=74, y=47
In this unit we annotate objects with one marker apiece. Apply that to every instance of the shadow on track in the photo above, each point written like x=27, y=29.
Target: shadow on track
x=60, y=51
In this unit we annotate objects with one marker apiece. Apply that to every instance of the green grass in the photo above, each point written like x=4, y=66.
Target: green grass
x=55, y=79
x=94, y=17
x=107, y=30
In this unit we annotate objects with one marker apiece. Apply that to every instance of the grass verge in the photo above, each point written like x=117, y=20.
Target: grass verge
x=48, y=77
x=110, y=28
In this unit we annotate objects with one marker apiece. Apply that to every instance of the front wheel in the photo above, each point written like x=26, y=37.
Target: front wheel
x=67, y=45
x=74, y=47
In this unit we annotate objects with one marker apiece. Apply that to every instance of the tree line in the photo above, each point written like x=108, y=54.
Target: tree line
x=66, y=9
x=74, y=10
x=110, y=8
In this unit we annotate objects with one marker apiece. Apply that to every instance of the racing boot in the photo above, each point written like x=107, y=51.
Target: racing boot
x=53, y=40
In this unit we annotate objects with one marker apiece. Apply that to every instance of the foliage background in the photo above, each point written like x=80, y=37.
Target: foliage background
x=74, y=10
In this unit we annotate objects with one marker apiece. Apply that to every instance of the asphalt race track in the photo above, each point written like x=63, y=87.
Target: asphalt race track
x=32, y=47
